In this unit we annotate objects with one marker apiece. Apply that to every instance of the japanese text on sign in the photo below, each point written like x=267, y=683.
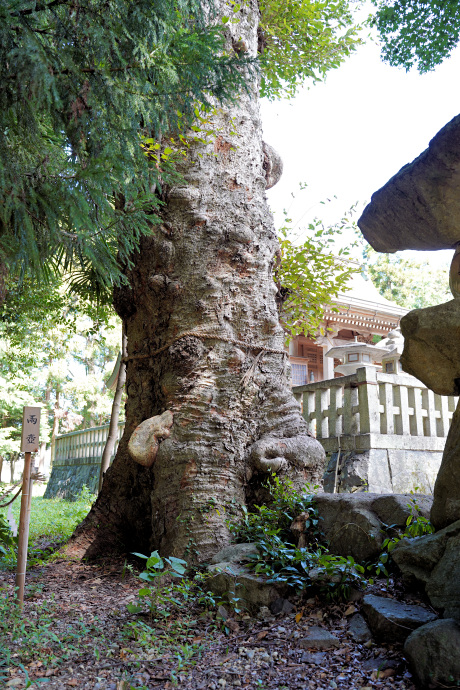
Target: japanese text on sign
x=30, y=429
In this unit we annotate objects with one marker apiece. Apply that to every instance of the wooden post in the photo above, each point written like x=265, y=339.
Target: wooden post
x=24, y=521
x=29, y=443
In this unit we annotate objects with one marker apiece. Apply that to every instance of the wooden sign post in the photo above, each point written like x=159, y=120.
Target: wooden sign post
x=29, y=444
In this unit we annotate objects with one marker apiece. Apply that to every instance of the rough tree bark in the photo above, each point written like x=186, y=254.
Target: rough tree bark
x=201, y=287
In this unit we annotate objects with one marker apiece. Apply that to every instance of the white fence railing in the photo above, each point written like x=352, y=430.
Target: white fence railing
x=372, y=409
x=84, y=447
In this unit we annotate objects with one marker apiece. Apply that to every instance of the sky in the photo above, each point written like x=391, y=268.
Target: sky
x=347, y=136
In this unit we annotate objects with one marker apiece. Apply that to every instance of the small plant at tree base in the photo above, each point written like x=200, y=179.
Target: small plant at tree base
x=155, y=568
x=305, y=567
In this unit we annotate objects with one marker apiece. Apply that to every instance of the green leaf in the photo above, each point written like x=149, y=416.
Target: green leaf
x=133, y=608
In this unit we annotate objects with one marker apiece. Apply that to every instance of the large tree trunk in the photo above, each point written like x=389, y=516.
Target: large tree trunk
x=205, y=348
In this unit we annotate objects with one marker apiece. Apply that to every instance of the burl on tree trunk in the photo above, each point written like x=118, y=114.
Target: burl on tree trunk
x=209, y=410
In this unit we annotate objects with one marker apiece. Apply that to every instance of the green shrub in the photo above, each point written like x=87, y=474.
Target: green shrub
x=305, y=568
x=154, y=595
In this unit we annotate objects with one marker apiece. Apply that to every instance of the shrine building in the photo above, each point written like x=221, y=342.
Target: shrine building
x=358, y=314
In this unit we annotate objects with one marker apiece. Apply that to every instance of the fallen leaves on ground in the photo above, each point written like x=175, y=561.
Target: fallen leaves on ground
x=93, y=643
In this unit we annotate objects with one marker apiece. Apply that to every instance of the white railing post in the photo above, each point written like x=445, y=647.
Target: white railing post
x=430, y=419
x=388, y=413
x=309, y=400
x=404, y=418
x=368, y=401
x=335, y=404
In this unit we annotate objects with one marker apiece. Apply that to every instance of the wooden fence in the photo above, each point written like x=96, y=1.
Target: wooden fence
x=84, y=447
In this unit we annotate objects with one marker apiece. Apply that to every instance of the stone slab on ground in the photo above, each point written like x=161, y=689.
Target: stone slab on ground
x=314, y=658
x=378, y=663
x=319, y=638
x=433, y=652
x=392, y=620
x=358, y=629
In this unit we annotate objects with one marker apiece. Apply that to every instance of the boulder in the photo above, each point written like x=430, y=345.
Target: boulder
x=419, y=208
x=433, y=652
x=433, y=561
x=230, y=578
x=233, y=581
x=392, y=620
x=281, y=606
x=446, y=495
x=355, y=524
x=432, y=346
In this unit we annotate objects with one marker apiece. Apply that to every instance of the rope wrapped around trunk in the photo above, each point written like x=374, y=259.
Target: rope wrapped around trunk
x=207, y=336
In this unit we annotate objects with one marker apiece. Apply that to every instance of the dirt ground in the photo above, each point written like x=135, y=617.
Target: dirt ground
x=77, y=633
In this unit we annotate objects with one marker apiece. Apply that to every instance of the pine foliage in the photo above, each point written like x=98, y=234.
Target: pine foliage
x=81, y=83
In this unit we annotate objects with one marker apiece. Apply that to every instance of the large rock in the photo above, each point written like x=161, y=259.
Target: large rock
x=419, y=208
x=432, y=354
x=433, y=652
x=234, y=582
x=433, y=561
x=391, y=620
x=432, y=346
x=446, y=501
x=355, y=524
x=230, y=578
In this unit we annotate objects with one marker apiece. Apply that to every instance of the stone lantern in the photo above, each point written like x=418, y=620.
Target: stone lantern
x=392, y=346
x=355, y=355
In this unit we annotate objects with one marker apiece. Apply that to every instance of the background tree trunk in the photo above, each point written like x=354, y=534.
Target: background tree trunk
x=55, y=427
x=115, y=415
x=208, y=270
